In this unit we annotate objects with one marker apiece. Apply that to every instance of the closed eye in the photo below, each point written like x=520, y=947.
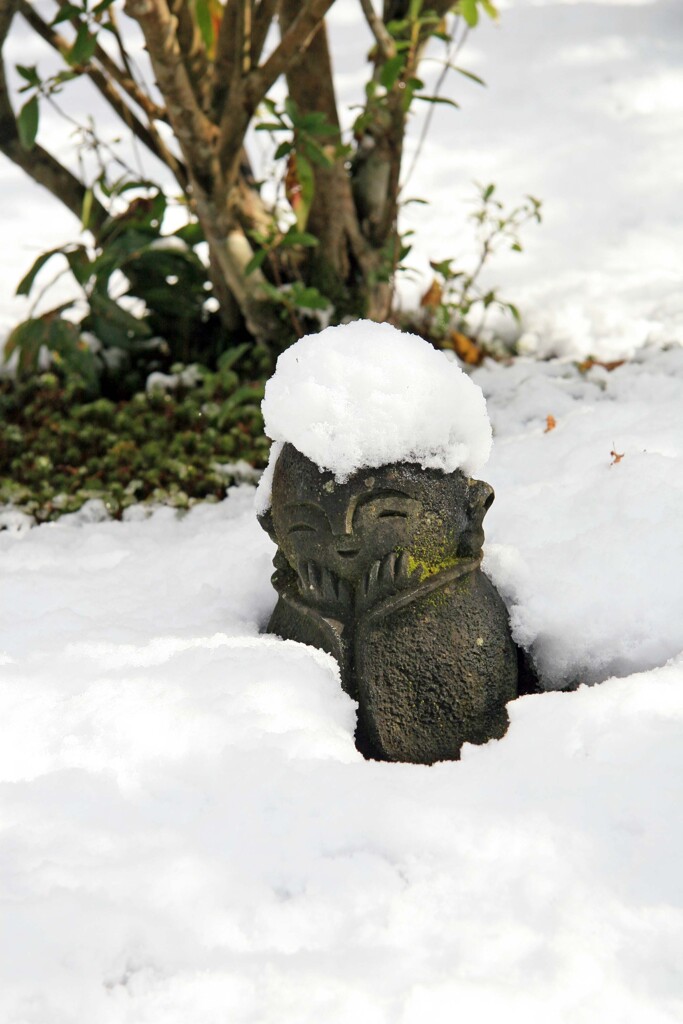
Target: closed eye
x=391, y=513
x=300, y=527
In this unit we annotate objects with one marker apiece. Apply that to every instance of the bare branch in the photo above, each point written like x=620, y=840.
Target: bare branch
x=245, y=34
x=7, y=11
x=378, y=28
x=147, y=135
x=293, y=44
x=123, y=77
x=224, y=61
x=37, y=162
x=263, y=19
x=194, y=131
x=193, y=49
x=245, y=93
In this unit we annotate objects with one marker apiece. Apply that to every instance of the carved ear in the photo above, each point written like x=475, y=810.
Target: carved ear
x=481, y=497
x=266, y=522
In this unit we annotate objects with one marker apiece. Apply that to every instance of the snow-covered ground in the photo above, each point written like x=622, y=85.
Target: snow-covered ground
x=187, y=832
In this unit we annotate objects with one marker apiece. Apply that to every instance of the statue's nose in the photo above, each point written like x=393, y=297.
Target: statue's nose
x=346, y=545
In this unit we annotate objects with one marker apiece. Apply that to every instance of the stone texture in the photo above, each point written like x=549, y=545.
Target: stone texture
x=384, y=573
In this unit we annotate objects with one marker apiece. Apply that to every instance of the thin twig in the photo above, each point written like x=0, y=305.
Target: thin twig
x=148, y=135
x=453, y=52
x=37, y=162
x=385, y=43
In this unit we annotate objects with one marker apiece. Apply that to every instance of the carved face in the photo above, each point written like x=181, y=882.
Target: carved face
x=435, y=518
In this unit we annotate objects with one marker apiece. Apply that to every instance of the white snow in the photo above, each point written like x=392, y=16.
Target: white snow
x=588, y=551
x=188, y=833
x=365, y=394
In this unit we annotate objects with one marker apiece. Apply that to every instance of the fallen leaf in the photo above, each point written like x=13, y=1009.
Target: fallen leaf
x=432, y=297
x=589, y=363
x=550, y=423
x=616, y=457
x=465, y=348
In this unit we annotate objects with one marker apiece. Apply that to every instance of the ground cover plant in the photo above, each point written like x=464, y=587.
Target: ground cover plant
x=59, y=448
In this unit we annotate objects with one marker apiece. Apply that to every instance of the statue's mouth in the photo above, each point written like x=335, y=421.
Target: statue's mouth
x=347, y=553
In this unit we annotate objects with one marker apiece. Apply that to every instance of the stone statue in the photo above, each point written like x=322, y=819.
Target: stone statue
x=383, y=572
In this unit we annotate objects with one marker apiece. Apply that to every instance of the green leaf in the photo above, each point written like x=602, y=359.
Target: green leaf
x=84, y=47
x=391, y=70
x=315, y=153
x=204, y=21
x=294, y=237
x=468, y=74
x=29, y=74
x=490, y=9
x=86, y=209
x=228, y=359
x=437, y=99
x=275, y=294
x=64, y=76
x=468, y=9
x=192, y=233
x=65, y=13
x=101, y=7
x=26, y=283
x=292, y=110
x=397, y=27
x=309, y=298
x=316, y=123
x=271, y=126
x=27, y=338
x=79, y=263
x=515, y=312
x=283, y=150
x=118, y=317
x=27, y=123
x=256, y=261
x=442, y=267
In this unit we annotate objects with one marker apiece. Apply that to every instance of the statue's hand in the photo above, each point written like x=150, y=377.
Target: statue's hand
x=324, y=590
x=384, y=577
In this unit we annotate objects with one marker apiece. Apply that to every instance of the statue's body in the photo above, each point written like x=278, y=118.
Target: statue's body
x=384, y=572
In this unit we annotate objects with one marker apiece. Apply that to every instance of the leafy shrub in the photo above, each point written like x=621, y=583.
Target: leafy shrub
x=165, y=316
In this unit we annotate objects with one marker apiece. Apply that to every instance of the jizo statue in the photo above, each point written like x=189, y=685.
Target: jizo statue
x=383, y=571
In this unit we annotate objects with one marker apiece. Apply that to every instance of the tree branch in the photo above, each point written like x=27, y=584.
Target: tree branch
x=193, y=49
x=246, y=92
x=147, y=135
x=263, y=19
x=194, y=131
x=378, y=28
x=37, y=162
x=226, y=56
x=122, y=76
x=293, y=44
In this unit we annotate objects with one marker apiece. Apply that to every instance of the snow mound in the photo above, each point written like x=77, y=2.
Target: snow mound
x=365, y=395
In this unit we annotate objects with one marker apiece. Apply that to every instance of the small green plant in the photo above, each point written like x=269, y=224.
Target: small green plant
x=174, y=444
x=455, y=301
